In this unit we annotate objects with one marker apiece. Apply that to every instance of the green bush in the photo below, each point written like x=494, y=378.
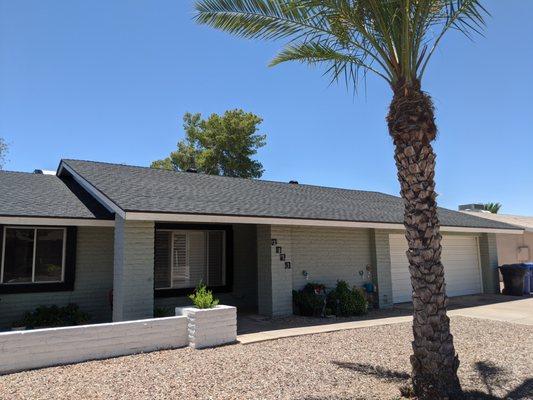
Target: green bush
x=346, y=302
x=309, y=301
x=162, y=312
x=203, y=298
x=53, y=316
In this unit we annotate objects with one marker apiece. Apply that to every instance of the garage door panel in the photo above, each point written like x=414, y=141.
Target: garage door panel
x=460, y=258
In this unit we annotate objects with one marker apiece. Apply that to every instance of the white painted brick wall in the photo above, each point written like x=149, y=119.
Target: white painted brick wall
x=210, y=327
x=94, y=279
x=47, y=347
x=133, y=279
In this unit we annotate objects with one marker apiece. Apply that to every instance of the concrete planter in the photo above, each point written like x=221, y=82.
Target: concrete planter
x=211, y=326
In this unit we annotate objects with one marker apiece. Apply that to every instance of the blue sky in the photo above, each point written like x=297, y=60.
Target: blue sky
x=111, y=80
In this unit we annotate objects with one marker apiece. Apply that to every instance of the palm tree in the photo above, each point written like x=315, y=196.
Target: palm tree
x=493, y=207
x=394, y=39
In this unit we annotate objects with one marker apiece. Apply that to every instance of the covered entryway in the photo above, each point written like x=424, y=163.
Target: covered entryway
x=460, y=257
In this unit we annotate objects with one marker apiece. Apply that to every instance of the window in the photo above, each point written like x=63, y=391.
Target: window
x=33, y=255
x=184, y=258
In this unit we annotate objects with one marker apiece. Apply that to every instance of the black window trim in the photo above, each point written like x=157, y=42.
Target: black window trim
x=228, y=287
x=69, y=269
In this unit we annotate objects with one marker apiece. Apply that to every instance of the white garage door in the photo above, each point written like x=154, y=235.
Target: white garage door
x=460, y=258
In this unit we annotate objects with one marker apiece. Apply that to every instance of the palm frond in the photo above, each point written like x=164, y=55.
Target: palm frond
x=394, y=39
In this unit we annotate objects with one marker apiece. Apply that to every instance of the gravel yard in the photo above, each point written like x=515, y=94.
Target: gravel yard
x=367, y=363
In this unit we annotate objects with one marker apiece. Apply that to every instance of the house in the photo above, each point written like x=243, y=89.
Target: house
x=512, y=249
x=121, y=240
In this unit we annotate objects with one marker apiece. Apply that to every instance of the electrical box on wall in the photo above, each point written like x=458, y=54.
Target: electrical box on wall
x=523, y=253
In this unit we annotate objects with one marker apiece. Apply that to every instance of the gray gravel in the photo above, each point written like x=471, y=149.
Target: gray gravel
x=367, y=363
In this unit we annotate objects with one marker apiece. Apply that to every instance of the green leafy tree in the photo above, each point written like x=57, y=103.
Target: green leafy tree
x=394, y=39
x=219, y=145
x=493, y=207
x=3, y=152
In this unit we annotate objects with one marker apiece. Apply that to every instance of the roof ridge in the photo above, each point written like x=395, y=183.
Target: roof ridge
x=23, y=172
x=231, y=177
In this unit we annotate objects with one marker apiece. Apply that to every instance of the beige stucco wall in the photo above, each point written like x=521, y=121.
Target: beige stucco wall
x=508, y=247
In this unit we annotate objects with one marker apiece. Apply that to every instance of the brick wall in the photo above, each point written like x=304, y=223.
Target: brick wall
x=46, y=347
x=327, y=254
x=330, y=254
x=94, y=279
x=133, y=279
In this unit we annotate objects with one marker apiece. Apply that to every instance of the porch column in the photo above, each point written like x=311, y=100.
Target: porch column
x=382, y=267
x=488, y=254
x=274, y=279
x=133, y=273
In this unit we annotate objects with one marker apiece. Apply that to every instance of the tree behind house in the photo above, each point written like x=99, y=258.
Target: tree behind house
x=219, y=145
x=3, y=152
x=493, y=207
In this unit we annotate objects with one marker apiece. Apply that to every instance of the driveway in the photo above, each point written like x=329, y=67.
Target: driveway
x=516, y=311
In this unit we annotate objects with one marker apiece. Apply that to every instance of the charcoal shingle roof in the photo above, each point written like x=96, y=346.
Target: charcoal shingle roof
x=35, y=195
x=144, y=189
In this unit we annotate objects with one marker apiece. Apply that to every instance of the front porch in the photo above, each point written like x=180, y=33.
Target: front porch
x=255, y=267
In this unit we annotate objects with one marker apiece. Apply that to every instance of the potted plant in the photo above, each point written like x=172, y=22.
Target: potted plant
x=209, y=323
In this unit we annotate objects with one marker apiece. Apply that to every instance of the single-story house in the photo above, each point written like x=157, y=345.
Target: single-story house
x=512, y=249
x=122, y=240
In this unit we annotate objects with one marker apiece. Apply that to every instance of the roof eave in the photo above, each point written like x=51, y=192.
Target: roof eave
x=217, y=218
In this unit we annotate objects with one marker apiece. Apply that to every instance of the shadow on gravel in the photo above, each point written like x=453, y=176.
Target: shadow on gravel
x=377, y=371
x=492, y=377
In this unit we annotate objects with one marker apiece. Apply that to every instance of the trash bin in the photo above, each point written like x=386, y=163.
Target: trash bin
x=516, y=279
x=530, y=277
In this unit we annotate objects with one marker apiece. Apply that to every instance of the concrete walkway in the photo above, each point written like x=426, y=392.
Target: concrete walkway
x=513, y=310
x=516, y=311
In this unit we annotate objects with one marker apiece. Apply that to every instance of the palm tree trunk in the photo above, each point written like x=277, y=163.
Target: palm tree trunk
x=412, y=127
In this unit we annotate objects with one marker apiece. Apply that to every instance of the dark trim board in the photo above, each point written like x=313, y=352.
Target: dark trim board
x=228, y=287
x=70, y=268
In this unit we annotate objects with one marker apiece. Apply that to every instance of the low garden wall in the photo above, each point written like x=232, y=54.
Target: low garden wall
x=210, y=327
x=20, y=350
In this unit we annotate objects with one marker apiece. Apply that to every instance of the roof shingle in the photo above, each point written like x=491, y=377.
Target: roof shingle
x=35, y=195
x=142, y=189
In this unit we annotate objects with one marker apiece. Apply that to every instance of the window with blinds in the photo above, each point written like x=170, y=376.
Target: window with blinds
x=187, y=257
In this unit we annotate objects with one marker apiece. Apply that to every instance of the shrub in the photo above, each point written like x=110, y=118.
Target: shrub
x=162, y=312
x=309, y=301
x=203, y=298
x=53, y=316
x=347, y=302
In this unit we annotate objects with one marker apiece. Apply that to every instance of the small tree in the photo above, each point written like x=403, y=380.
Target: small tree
x=493, y=207
x=220, y=145
x=3, y=152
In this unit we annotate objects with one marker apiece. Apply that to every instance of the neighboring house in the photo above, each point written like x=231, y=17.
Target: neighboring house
x=512, y=248
x=140, y=238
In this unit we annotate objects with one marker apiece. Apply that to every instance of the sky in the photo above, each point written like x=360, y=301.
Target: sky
x=110, y=81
